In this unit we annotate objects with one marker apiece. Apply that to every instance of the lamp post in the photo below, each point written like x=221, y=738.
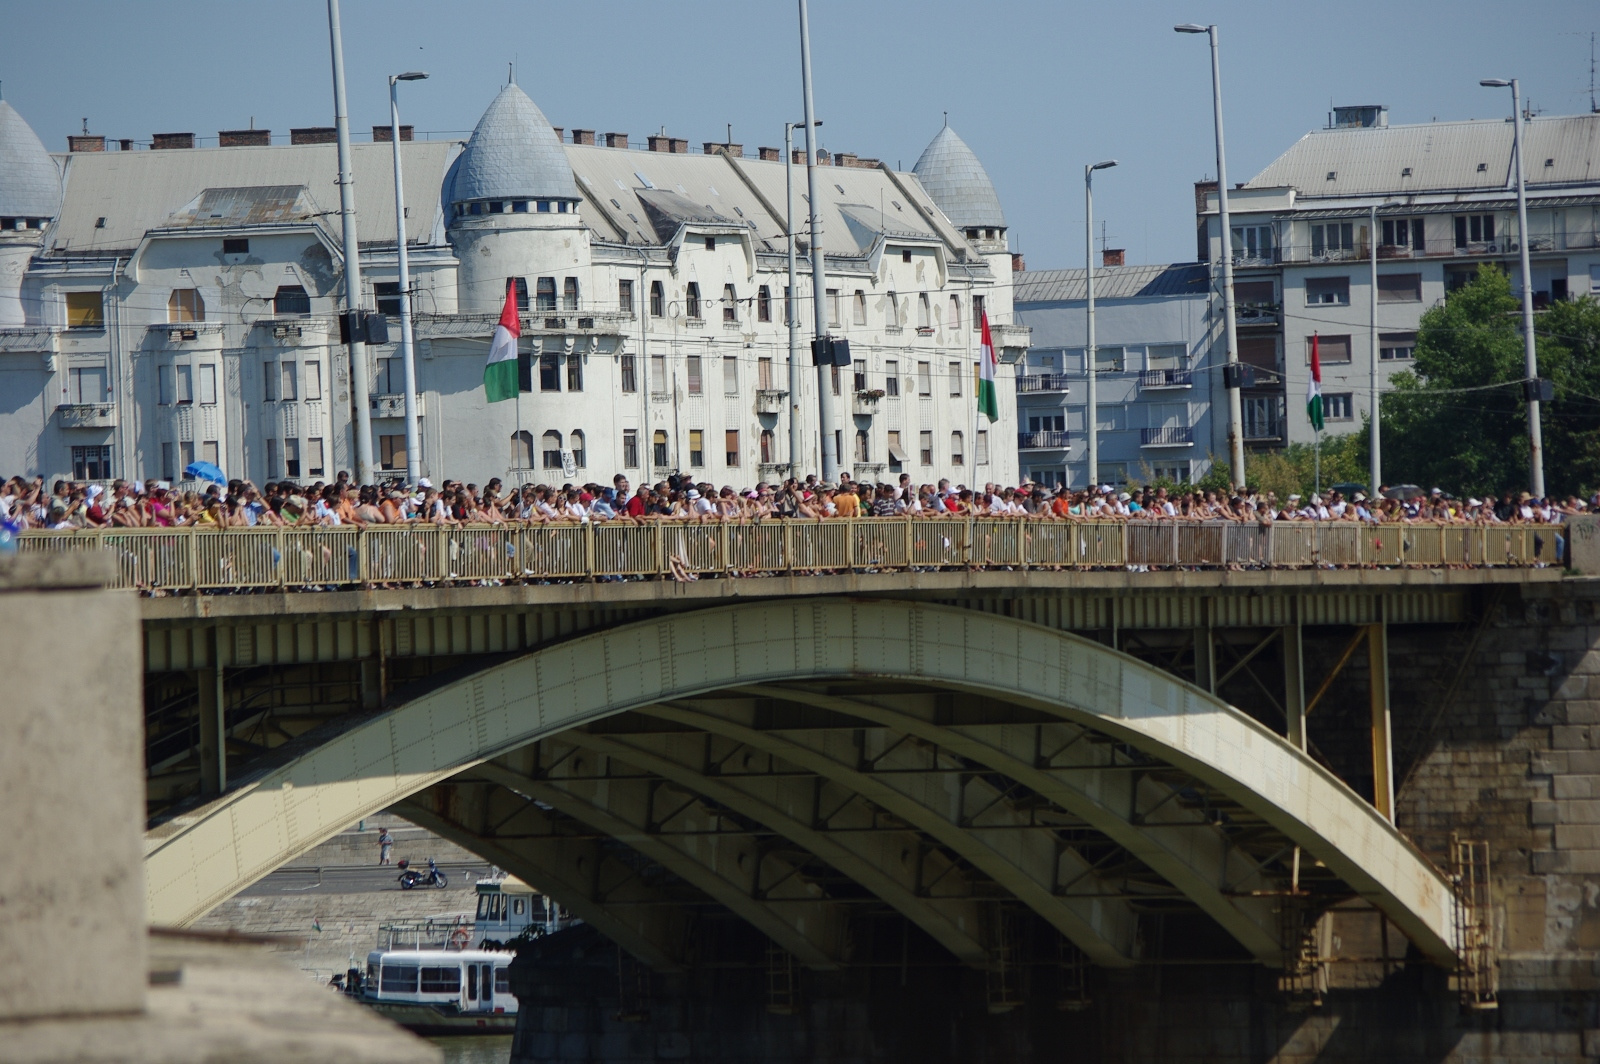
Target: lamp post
x=1090, y=422
x=1530, y=357
x=360, y=386
x=1231, y=370
x=407, y=359
x=791, y=304
x=819, y=292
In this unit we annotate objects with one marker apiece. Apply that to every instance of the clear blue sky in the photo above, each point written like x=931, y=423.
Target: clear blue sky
x=1037, y=87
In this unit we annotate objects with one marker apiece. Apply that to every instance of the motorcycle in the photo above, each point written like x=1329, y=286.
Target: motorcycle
x=410, y=877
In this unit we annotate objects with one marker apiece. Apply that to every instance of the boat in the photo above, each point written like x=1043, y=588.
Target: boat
x=448, y=974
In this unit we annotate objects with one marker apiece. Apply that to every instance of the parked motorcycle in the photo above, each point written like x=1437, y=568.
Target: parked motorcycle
x=410, y=877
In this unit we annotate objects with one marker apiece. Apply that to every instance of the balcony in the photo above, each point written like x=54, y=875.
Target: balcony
x=770, y=471
x=771, y=400
x=1263, y=429
x=179, y=333
x=1171, y=436
x=393, y=405
x=1042, y=382
x=867, y=472
x=1011, y=342
x=1248, y=314
x=1160, y=379
x=865, y=403
x=86, y=415
x=1049, y=440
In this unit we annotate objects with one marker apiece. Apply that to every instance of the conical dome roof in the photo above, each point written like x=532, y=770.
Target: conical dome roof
x=514, y=153
x=958, y=182
x=30, y=184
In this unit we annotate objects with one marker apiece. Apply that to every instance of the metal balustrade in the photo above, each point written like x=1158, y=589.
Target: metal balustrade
x=209, y=559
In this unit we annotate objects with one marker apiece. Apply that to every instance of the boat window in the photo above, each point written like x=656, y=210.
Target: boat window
x=499, y=906
x=441, y=980
x=483, y=905
x=502, y=980
x=372, y=974
x=516, y=906
x=472, y=982
x=400, y=977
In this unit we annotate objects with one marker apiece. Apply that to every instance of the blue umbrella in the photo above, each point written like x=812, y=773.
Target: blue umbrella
x=205, y=471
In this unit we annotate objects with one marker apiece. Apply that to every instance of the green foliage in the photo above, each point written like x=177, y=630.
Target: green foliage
x=1293, y=470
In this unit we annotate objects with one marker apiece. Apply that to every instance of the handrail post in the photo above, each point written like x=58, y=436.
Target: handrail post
x=724, y=541
x=588, y=549
x=194, y=562
x=788, y=546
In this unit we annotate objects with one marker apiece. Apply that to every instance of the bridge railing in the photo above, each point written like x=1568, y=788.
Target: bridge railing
x=209, y=559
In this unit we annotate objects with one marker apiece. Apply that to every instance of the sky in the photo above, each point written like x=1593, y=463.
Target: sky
x=1038, y=88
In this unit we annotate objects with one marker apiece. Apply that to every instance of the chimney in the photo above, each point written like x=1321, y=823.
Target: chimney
x=658, y=142
x=385, y=134
x=159, y=141
x=771, y=155
x=314, y=135
x=735, y=150
x=583, y=136
x=678, y=145
x=799, y=157
x=844, y=158
x=86, y=143
x=126, y=143
x=1017, y=265
x=1202, y=189
x=1108, y=256
x=244, y=138
x=559, y=133
x=616, y=140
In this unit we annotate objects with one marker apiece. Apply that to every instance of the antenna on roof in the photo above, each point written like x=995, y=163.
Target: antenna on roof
x=947, y=119
x=511, y=72
x=1592, y=108
x=86, y=127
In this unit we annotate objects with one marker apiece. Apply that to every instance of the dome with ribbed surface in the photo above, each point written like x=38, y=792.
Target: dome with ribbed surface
x=514, y=153
x=958, y=183
x=30, y=184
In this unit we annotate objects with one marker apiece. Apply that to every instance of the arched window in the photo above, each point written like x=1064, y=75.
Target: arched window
x=863, y=451
x=521, y=286
x=955, y=312
x=658, y=447
x=569, y=294
x=658, y=300
x=691, y=300
x=924, y=312
x=291, y=299
x=552, y=449
x=730, y=303
x=522, y=449
x=766, y=446
x=892, y=311
x=957, y=455
x=578, y=447
x=185, y=304
x=764, y=304
x=547, y=293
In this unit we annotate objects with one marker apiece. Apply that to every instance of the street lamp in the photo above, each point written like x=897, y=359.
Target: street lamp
x=1088, y=261
x=413, y=441
x=1231, y=373
x=1530, y=358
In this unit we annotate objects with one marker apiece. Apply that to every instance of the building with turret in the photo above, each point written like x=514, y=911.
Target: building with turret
x=175, y=303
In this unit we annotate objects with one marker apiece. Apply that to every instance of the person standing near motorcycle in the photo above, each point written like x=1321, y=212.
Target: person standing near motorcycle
x=385, y=846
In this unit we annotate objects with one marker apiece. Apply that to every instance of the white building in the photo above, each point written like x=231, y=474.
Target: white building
x=163, y=306
x=1445, y=194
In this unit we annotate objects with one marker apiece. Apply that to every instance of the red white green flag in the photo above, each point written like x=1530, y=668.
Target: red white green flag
x=500, y=373
x=988, y=398
x=1314, y=389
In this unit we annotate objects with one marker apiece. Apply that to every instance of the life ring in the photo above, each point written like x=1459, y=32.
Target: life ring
x=459, y=938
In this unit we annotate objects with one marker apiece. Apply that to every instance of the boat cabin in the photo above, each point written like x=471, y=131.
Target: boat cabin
x=507, y=907
x=469, y=980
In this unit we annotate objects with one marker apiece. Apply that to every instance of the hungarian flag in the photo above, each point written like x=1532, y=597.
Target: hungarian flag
x=1314, y=388
x=988, y=399
x=500, y=373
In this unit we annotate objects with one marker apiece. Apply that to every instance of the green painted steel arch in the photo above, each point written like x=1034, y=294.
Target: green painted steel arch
x=197, y=860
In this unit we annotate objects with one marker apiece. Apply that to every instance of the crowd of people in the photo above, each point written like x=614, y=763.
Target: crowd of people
x=65, y=505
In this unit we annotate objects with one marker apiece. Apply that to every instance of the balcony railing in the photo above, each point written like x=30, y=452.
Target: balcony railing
x=1048, y=440
x=864, y=404
x=1166, y=378
x=1264, y=428
x=1256, y=313
x=1171, y=436
x=384, y=405
x=86, y=415
x=1043, y=382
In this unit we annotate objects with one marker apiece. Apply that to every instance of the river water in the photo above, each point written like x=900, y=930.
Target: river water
x=475, y=1048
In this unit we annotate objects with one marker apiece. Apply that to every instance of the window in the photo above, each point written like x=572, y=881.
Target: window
x=955, y=312
x=544, y=291
x=788, y=306
x=924, y=379
x=1259, y=351
x=863, y=447
x=288, y=389
x=401, y=978
x=957, y=457
x=1110, y=359
x=1177, y=472
x=860, y=382
x=763, y=303
x=551, y=447
x=730, y=375
x=315, y=465
x=730, y=303
x=625, y=297
x=502, y=978
x=1166, y=356
x=1474, y=229
x=291, y=458
x=766, y=446
x=955, y=378
x=208, y=384
x=387, y=295
x=905, y=254
x=982, y=456
x=711, y=243
x=1397, y=346
x=1252, y=241
x=891, y=311
x=569, y=294
x=1339, y=406
x=91, y=463
x=977, y=309
x=235, y=246
x=392, y=451
x=691, y=300
x=1047, y=423
x=549, y=372
x=522, y=449
x=730, y=445
x=579, y=447
x=1332, y=238
x=169, y=468
x=85, y=310
x=859, y=307
x=520, y=286
x=891, y=379
x=658, y=300
x=574, y=372
x=658, y=375
x=1327, y=291
x=86, y=384
x=1254, y=293
x=185, y=304
x=1330, y=349
x=764, y=374
x=834, y=375
x=441, y=980
x=313, y=378
x=1111, y=417
x=925, y=447
x=274, y=468
x=924, y=312
x=897, y=456
x=697, y=448
x=186, y=383
x=692, y=364
x=658, y=444
x=630, y=374
x=185, y=453
x=291, y=299
x=1404, y=233
x=1399, y=288
x=630, y=448
x=833, y=306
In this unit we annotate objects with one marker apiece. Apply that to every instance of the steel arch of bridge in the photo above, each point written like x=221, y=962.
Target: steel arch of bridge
x=661, y=667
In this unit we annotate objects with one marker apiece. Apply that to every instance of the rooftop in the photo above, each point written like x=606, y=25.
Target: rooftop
x=1112, y=282
x=958, y=183
x=514, y=153
x=30, y=182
